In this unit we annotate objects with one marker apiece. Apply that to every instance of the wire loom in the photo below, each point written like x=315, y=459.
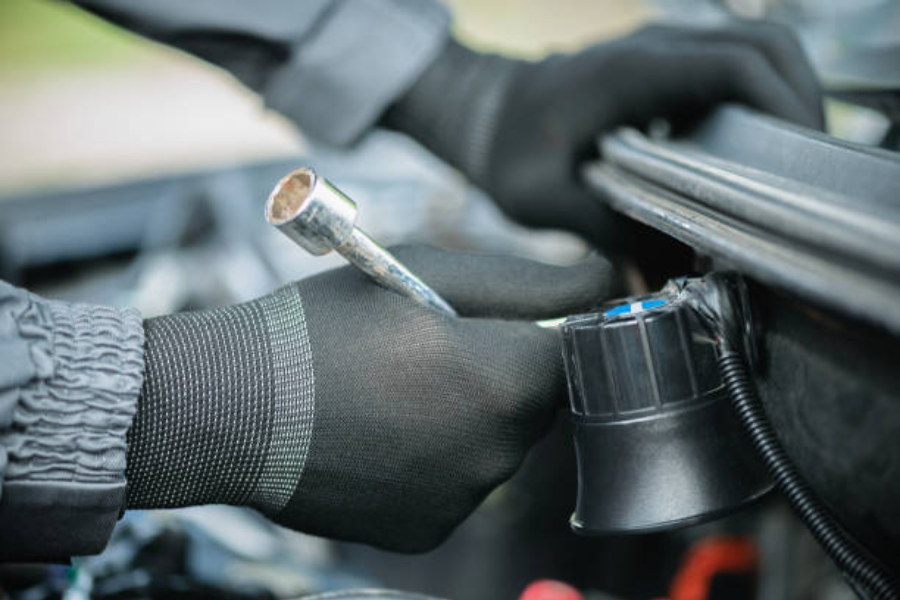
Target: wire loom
x=718, y=299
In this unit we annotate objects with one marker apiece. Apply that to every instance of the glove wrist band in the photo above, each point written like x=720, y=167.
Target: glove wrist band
x=453, y=109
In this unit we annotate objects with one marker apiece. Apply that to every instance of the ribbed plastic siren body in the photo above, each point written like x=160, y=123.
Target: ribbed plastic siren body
x=658, y=446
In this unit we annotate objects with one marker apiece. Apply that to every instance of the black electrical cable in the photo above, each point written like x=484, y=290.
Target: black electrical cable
x=860, y=568
x=720, y=301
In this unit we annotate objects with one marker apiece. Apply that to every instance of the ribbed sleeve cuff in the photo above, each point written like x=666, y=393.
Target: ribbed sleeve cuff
x=64, y=416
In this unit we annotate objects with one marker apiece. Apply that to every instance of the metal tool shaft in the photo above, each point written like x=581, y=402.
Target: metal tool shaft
x=320, y=218
x=383, y=267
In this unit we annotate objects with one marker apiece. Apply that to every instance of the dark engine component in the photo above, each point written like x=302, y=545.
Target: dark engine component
x=658, y=444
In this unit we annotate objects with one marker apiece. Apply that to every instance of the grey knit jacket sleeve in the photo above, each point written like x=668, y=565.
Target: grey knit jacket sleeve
x=332, y=66
x=70, y=376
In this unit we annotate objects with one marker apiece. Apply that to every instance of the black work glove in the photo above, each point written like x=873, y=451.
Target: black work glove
x=342, y=409
x=520, y=130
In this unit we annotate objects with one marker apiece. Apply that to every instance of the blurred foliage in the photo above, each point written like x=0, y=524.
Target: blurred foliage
x=41, y=35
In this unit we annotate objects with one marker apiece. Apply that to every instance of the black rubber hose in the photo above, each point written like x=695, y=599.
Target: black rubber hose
x=861, y=569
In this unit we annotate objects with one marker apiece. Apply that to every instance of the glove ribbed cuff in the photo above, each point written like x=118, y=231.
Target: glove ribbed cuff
x=453, y=109
x=226, y=412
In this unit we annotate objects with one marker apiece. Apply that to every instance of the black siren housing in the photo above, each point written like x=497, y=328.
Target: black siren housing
x=658, y=444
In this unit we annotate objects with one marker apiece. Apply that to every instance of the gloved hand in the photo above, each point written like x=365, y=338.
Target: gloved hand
x=342, y=409
x=520, y=130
